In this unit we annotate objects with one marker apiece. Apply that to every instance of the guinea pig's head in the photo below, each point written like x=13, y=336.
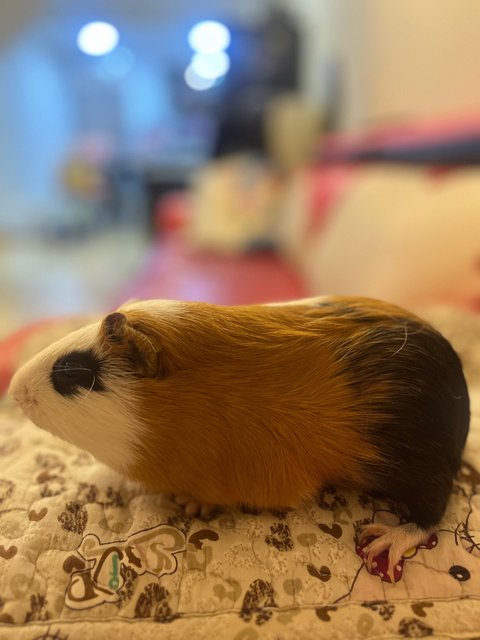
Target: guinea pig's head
x=82, y=388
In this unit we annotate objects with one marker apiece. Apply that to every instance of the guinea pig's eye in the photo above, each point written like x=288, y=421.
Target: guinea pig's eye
x=75, y=371
x=69, y=369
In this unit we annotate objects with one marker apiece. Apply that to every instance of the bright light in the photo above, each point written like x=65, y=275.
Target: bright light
x=97, y=38
x=210, y=65
x=209, y=37
x=197, y=83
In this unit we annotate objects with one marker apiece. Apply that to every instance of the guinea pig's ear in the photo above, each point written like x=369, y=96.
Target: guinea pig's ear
x=127, y=339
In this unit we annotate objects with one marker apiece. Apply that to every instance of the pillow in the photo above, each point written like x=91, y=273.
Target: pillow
x=401, y=236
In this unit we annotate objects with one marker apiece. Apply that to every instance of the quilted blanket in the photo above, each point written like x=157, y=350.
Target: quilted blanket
x=85, y=554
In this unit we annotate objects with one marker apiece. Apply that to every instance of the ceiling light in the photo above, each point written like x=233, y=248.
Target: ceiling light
x=97, y=38
x=210, y=65
x=209, y=36
x=196, y=82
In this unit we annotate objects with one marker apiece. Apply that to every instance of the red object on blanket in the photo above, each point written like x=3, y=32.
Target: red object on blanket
x=380, y=564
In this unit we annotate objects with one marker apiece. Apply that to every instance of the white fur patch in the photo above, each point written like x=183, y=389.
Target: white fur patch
x=310, y=302
x=153, y=307
x=102, y=423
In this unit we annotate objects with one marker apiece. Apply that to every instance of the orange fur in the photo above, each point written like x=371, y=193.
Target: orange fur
x=251, y=404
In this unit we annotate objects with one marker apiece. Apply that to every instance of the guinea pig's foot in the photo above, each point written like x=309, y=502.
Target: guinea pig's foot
x=192, y=507
x=397, y=540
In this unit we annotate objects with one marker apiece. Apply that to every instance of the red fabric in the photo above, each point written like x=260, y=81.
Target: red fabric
x=404, y=133
x=173, y=271
x=171, y=211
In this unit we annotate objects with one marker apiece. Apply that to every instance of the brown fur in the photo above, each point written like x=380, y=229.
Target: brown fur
x=250, y=404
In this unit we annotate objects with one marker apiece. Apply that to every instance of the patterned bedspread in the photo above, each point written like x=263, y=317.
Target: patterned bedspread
x=85, y=554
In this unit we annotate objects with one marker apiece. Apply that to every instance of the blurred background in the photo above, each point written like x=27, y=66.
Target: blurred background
x=237, y=152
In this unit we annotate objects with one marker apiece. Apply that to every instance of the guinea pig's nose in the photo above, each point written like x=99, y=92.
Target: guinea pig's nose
x=14, y=390
x=22, y=395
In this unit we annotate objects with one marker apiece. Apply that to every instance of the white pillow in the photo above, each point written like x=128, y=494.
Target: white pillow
x=401, y=235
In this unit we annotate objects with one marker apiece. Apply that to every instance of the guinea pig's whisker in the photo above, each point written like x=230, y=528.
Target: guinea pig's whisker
x=89, y=391
x=403, y=343
x=82, y=399
x=63, y=368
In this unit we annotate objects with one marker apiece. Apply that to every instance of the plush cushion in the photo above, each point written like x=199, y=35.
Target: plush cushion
x=400, y=235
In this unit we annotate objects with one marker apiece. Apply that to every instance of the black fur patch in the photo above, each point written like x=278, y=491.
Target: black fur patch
x=76, y=371
x=428, y=408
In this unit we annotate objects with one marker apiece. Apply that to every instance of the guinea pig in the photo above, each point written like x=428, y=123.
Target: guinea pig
x=263, y=405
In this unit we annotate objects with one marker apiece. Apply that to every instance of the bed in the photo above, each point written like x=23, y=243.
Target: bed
x=85, y=554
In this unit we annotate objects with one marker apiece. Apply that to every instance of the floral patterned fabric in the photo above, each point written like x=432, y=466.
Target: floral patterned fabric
x=85, y=554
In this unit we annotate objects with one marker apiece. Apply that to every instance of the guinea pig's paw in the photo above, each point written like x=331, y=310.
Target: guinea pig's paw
x=397, y=540
x=193, y=507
